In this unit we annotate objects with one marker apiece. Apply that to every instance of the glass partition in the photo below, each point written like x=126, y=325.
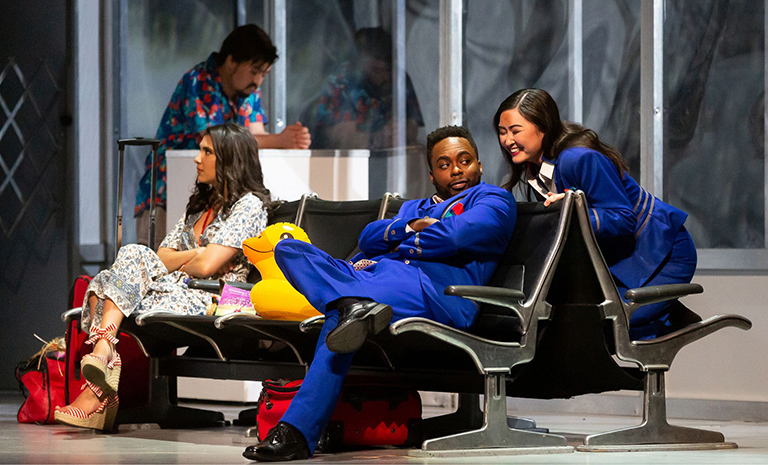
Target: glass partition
x=164, y=40
x=714, y=132
x=366, y=74
x=611, y=75
x=510, y=45
x=341, y=83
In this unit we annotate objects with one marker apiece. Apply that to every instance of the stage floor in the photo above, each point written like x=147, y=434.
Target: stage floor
x=150, y=444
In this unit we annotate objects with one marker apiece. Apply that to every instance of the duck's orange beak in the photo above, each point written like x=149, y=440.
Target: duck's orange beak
x=257, y=248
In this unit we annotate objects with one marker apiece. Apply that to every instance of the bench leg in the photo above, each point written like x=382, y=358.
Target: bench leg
x=467, y=416
x=161, y=408
x=654, y=431
x=495, y=433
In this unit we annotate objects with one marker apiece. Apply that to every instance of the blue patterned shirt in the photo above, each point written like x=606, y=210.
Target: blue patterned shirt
x=197, y=103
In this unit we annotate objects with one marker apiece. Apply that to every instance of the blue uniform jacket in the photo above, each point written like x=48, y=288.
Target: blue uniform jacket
x=635, y=230
x=464, y=247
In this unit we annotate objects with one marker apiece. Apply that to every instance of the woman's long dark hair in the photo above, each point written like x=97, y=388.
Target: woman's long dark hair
x=538, y=107
x=238, y=171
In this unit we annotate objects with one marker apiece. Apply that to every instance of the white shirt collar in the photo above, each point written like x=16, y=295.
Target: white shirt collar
x=546, y=171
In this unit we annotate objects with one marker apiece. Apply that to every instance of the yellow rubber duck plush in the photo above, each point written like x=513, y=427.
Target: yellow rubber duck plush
x=273, y=297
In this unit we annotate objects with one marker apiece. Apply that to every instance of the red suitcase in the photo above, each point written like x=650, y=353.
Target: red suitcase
x=133, y=393
x=134, y=379
x=374, y=415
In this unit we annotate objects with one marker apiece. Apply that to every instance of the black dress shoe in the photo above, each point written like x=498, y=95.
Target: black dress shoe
x=284, y=442
x=356, y=322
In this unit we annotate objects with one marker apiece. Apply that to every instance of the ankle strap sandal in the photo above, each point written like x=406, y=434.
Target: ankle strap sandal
x=102, y=372
x=98, y=333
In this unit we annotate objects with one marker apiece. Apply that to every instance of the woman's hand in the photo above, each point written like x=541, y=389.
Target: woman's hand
x=211, y=260
x=552, y=198
x=175, y=259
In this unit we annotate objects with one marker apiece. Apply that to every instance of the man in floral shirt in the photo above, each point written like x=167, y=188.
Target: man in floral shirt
x=355, y=108
x=223, y=88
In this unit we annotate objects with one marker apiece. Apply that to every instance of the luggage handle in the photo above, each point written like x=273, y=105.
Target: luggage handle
x=136, y=141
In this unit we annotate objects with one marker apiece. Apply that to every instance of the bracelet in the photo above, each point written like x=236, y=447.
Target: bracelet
x=181, y=268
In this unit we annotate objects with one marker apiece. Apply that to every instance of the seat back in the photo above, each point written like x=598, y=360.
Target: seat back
x=390, y=205
x=524, y=267
x=281, y=212
x=284, y=212
x=334, y=226
x=574, y=347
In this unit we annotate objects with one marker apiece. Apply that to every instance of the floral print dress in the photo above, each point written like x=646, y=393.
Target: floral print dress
x=138, y=282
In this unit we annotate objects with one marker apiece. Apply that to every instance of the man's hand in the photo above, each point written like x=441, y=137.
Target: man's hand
x=552, y=198
x=421, y=223
x=295, y=136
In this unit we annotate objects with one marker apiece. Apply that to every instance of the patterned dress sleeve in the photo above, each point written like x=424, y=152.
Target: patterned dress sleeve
x=246, y=219
x=173, y=239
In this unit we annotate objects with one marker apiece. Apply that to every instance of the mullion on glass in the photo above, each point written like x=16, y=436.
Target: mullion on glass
x=275, y=14
x=451, y=79
x=575, y=60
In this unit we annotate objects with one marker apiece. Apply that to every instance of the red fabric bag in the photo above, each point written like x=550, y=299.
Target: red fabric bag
x=374, y=415
x=275, y=397
x=41, y=380
x=366, y=415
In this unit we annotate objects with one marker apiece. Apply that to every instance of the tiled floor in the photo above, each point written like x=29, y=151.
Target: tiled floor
x=150, y=444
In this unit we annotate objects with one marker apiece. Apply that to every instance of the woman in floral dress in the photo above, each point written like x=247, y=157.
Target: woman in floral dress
x=229, y=204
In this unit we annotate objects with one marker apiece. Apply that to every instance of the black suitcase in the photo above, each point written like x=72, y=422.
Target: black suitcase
x=136, y=141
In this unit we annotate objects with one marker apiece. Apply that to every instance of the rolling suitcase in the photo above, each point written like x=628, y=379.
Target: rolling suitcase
x=135, y=364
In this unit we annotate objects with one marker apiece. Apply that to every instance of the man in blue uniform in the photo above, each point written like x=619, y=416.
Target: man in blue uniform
x=454, y=237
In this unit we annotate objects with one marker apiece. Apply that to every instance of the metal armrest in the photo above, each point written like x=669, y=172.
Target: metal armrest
x=306, y=325
x=213, y=286
x=696, y=331
x=71, y=314
x=234, y=319
x=658, y=353
x=500, y=296
x=265, y=329
x=143, y=319
x=488, y=355
x=653, y=294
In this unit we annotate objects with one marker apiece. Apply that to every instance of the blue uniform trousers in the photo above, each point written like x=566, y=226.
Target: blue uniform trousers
x=650, y=321
x=323, y=280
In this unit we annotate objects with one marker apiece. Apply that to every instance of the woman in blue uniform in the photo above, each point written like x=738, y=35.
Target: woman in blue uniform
x=642, y=239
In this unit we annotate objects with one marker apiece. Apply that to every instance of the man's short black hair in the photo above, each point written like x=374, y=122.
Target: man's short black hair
x=445, y=132
x=247, y=43
x=375, y=42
